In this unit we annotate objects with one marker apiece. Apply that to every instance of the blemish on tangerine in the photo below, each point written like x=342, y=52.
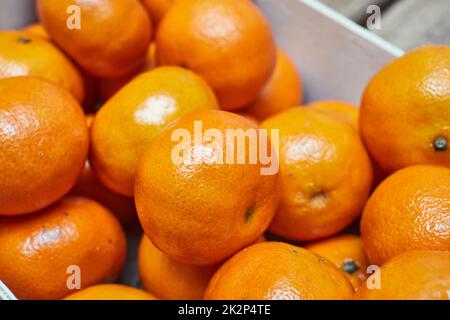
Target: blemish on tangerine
x=24, y=40
x=440, y=144
x=350, y=266
x=249, y=213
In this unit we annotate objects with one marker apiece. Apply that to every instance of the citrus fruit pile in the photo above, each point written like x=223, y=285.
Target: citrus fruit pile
x=185, y=118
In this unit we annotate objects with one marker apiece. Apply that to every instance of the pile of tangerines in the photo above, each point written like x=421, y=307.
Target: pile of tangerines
x=87, y=123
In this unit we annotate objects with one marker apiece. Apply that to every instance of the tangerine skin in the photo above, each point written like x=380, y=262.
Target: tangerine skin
x=201, y=213
x=406, y=107
x=23, y=54
x=170, y=279
x=283, y=91
x=89, y=186
x=37, y=30
x=227, y=42
x=412, y=275
x=109, y=87
x=409, y=210
x=346, y=252
x=136, y=115
x=38, y=249
x=325, y=171
x=113, y=36
x=278, y=271
x=110, y=292
x=339, y=109
x=157, y=8
x=349, y=113
x=43, y=144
